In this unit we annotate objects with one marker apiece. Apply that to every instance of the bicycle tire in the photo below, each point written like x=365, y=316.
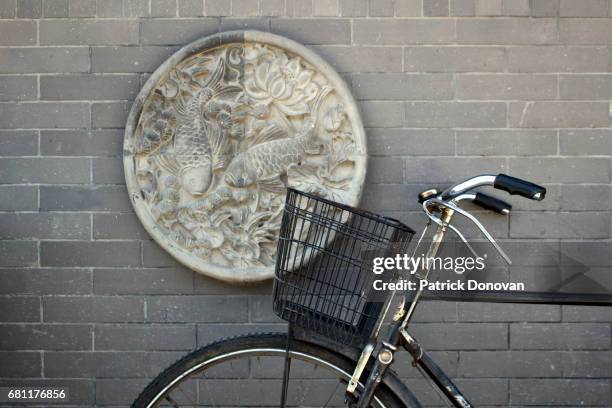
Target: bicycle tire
x=207, y=356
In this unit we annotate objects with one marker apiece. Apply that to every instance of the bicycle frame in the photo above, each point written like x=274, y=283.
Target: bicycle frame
x=398, y=335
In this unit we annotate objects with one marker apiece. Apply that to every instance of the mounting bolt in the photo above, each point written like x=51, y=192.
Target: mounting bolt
x=385, y=357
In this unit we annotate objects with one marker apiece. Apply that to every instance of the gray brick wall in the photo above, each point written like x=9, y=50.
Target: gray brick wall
x=447, y=89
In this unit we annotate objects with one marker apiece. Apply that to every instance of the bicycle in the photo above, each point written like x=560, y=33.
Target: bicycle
x=335, y=341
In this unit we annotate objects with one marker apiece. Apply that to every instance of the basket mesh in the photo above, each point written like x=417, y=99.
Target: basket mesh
x=323, y=280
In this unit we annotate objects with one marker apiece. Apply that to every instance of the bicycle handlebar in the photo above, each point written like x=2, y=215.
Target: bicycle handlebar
x=511, y=185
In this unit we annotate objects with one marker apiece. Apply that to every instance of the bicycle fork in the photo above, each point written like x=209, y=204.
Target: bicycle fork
x=398, y=335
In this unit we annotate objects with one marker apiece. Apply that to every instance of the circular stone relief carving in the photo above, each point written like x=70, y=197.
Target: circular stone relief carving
x=219, y=131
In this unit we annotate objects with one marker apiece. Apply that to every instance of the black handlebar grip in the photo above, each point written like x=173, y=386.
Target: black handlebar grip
x=515, y=185
x=491, y=203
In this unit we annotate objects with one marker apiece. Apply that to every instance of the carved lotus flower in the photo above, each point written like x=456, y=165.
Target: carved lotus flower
x=284, y=83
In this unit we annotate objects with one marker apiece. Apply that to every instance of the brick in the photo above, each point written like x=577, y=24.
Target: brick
x=557, y=59
x=108, y=170
x=455, y=114
x=93, y=87
x=354, y=8
x=553, y=170
x=488, y=7
x=585, y=141
x=560, y=391
x=463, y=8
x=109, y=114
x=88, y=32
x=96, y=254
x=261, y=310
x=45, y=281
x=18, y=198
x=587, y=364
x=154, y=256
x=29, y=8
x=408, y=8
x=166, y=31
x=436, y=311
x=273, y=8
x=130, y=364
x=109, y=8
x=204, y=285
x=556, y=225
x=45, y=337
x=509, y=364
x=30, y=60
x=497, y=312
x=44, y=170
x=82, y=8
x=136, y=8
x=81, y=142
x=382, y=114
x=454, y=59
x=501, y=142
x=8, y=8
x=217, y=8
x=244, y=8
x=156, y=281
x=14, y=33
x=591, y=197
x=18, y=143
x=44, y=115
x=163, y=8
x=585, y=8
x=544, y=8
x=18, y=253
x=191, y=8
x=144, y=337
x=384, y=170
x=394, y=197
x=105, y=309
x=450, y=169
x=261, y=24
x=118, y=226
x=506, y=86
x=381, y=8
x=55, y=8
x=585, y=86
x=18, y=88
x=462, y=336
x=564, y=336
x=314, y=31
x=583, y=314
x=585, y=31
x=435, y=8
x=44, y=226
x=128, y=59
x=506, y=31
x=362, y=59
x=591, y=253
x=402, y=86
x=20, y=364
x=558, y=114
x=19, y=309
x=185, y=309
x=410, y=142
x=108, y=198
x=404, y=31
x=515, y=7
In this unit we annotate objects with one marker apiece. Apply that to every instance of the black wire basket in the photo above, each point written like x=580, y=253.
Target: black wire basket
x=323, y=280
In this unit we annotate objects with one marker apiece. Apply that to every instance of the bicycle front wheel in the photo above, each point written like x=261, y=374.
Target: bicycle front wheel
x=247, y=371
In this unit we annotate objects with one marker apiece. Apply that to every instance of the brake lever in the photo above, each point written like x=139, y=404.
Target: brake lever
x=438, y=221
x=469, y=216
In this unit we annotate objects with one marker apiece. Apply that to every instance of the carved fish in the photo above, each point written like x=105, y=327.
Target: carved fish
x=199, y=144
x=265, y=162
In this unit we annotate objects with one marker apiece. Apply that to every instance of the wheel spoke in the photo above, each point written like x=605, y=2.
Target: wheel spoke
x=332, y=394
